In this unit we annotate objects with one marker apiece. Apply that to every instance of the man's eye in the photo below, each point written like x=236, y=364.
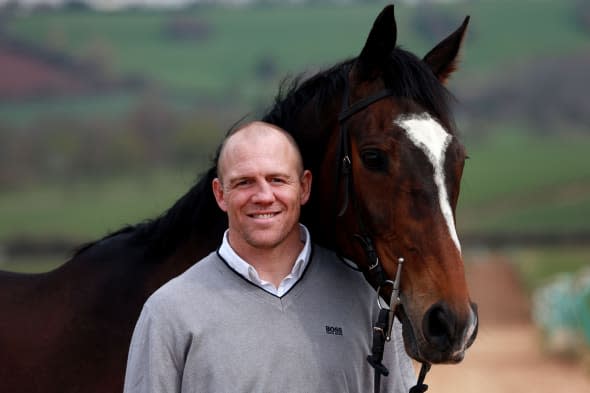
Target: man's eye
x=277, y=180
x=242, y=183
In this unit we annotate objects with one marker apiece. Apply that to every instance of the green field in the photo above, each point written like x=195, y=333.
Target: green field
x=538, y=266
x=222, y=65
x=298, y=37
x=85, y=210
x=517, y=182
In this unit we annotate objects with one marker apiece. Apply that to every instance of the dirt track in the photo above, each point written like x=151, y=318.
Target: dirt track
x=507, y=356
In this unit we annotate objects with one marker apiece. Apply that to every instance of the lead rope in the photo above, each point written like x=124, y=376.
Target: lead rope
x=382, y=333
x=421, y=387
x=384, y=324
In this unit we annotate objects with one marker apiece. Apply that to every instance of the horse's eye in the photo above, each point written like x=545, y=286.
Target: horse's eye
x=375, y=160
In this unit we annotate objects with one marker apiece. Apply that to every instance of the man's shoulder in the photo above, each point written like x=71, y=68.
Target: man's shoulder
x=339, y=268
x=188, y=284
x=342, y=284
x=331, y=259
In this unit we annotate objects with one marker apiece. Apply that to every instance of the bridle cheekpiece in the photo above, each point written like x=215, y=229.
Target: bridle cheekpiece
x=384, y=324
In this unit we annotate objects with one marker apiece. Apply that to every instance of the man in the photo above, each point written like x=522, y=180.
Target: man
x=269, y=311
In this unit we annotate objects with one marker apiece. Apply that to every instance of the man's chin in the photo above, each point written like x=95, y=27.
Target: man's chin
x=271, y=238
x=262, y=240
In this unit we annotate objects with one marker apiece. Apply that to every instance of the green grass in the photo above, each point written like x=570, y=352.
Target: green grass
x=504, y=32
x=297, y=38
x=85, y=210
x=101, y=106
x=513, y=160
x=538, y=265
x=82, y=211
x=33, y=264
x=515, y=181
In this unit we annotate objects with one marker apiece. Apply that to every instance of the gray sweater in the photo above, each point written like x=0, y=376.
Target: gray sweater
x=211, y=331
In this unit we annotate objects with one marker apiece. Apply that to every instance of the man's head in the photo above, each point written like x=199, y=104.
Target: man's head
x=261, y=185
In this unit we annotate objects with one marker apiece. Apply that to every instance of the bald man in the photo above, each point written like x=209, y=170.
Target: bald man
x=269, y=311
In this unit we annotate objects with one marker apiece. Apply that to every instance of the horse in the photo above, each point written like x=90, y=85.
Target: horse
x=378, y=134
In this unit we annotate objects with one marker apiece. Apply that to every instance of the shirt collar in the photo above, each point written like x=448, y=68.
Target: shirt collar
x=249, y=272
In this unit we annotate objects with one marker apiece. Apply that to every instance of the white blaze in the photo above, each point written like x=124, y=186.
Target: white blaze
x=430, y=137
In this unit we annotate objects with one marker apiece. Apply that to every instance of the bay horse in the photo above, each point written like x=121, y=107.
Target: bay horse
x=68, y=330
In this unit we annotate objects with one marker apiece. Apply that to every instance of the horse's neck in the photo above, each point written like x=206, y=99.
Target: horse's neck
x=318, y=139
x=196, y=227
x=189, y=252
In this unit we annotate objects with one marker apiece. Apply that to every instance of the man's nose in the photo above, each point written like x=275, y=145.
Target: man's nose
x=264, y=193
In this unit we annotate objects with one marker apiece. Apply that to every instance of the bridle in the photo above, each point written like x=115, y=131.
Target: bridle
x=376, y=273
x=384, y=324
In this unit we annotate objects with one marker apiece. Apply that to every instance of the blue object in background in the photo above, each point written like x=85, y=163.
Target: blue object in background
x=561, y=309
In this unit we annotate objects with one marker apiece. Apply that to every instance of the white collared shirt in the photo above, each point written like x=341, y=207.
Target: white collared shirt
x=249, y=272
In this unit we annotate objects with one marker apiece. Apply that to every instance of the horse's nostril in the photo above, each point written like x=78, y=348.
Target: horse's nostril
x=439, y=326
x=437, y=323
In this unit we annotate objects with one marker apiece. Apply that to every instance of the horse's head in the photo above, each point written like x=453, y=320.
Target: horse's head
x=403, y=187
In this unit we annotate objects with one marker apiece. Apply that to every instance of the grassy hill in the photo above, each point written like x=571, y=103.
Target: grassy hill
x=523, y=182
x=223, y=61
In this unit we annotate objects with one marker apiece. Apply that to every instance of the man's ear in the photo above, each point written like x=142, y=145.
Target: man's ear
x=305, y=186
x=219, y=194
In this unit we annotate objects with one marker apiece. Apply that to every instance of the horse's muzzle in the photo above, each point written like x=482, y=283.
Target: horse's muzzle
x=444, y=336
x=448, y=334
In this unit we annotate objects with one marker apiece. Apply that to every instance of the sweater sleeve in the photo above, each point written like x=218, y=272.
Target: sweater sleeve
x=151, y=363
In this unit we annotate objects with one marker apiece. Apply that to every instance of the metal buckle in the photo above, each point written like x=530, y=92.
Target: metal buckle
x=373, y=266
x=394, y=300
x=346, y=164
x=380, y=302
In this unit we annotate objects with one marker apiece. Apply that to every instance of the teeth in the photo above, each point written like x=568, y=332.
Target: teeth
x=267, y=215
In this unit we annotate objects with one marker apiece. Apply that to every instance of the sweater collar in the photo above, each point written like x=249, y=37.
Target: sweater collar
x=249, y=272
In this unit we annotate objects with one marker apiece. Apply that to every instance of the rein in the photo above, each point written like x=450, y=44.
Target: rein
x=384, y=324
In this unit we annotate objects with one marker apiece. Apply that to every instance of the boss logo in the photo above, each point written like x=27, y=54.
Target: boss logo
x=334, y=330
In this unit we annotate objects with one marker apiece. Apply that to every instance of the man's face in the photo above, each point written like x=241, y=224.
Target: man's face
x=261, y=189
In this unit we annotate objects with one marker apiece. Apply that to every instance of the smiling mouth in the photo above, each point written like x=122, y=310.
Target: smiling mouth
x=263, y=215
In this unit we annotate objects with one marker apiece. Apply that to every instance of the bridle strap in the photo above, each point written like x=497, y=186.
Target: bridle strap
x=362, y=104
x=376, y=273
x=384, y=322
x=344, y=158
x=375, y=359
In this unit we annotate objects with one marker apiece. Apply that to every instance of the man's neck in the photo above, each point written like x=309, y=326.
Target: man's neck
x=275, y=265
x=272, y=264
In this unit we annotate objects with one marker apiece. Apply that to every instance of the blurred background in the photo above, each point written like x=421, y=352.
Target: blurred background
x=110, y=110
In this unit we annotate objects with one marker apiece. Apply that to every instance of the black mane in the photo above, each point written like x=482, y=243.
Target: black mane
x=197, y=210
x=406, y=75
x=409, y=77
x=319, y=90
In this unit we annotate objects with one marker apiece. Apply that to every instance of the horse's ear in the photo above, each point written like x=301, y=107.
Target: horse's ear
x=443, y=59
x=379, y=45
